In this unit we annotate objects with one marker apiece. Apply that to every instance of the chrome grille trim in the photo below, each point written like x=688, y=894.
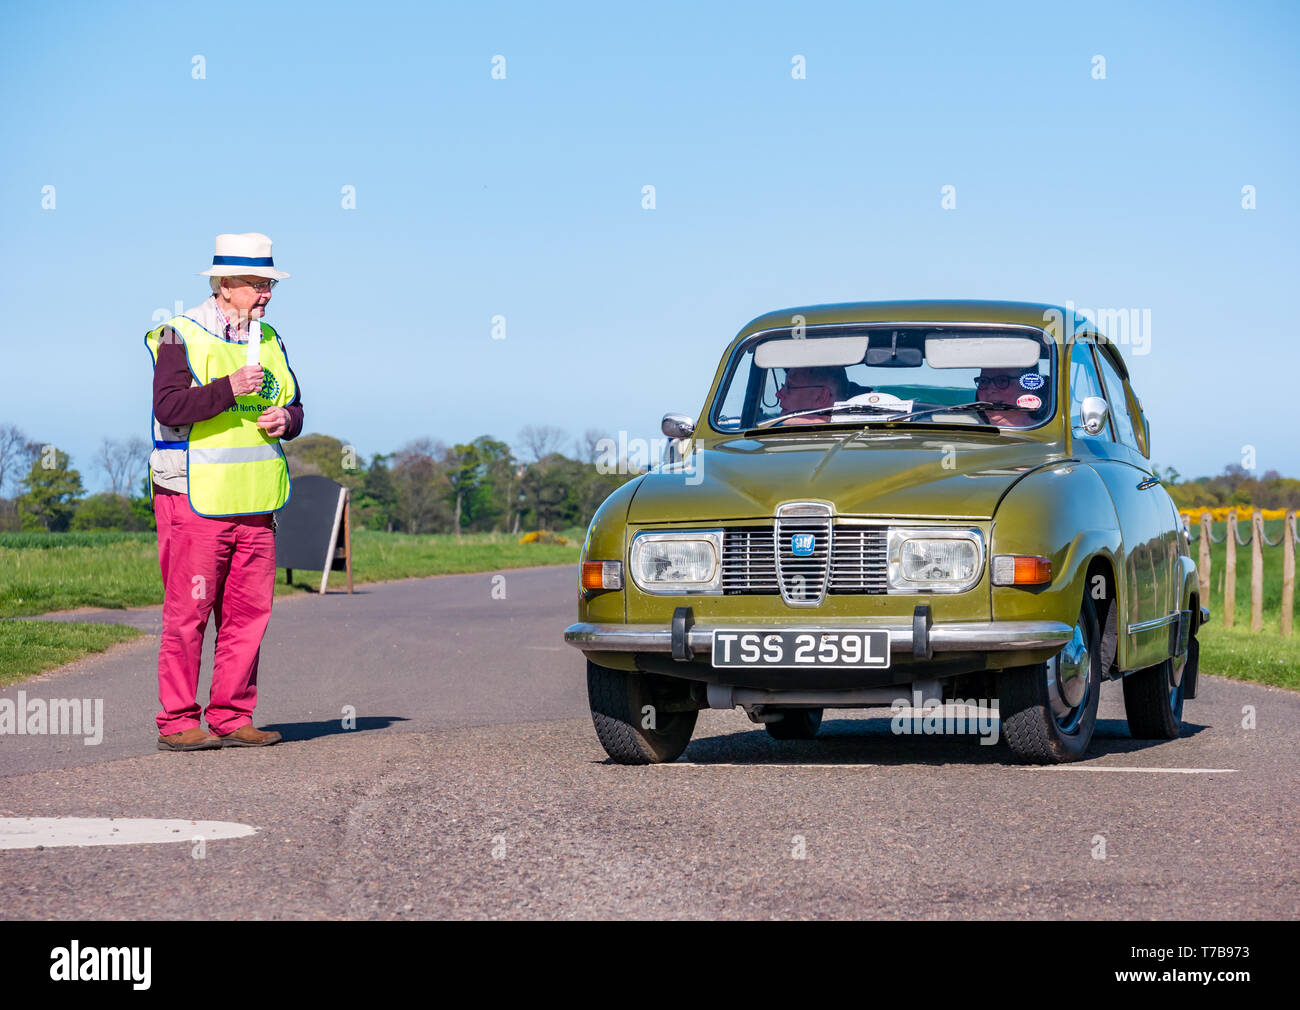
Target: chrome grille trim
x=858, y=561
x=803, y=579
x=748, y=565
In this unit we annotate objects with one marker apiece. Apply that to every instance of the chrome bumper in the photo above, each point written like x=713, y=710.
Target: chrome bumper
x=989, y=636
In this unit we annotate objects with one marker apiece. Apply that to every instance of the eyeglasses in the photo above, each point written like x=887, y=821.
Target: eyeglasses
x=266, y=285
x=996, y=381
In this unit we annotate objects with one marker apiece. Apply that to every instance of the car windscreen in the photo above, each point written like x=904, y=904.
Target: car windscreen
x=847, y=374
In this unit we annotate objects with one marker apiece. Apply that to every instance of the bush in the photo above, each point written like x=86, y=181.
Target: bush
x=104, y=512
x=544, y=537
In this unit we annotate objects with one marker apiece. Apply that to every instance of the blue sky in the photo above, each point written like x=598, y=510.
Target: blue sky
x=522, y=198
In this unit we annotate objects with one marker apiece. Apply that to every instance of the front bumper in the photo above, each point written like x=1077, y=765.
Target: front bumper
x=920, y=638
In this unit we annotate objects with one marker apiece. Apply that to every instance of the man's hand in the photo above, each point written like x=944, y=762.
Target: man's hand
x=246, y=380
x=273, y=420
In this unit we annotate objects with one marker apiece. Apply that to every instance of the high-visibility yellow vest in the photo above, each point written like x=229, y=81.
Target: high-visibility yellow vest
x=232, y=466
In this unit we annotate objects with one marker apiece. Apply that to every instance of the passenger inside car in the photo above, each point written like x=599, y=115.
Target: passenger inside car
x=1008, y=385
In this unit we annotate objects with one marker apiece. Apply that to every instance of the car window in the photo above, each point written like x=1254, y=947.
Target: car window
x=732, y=403
x=884, y=370
x=1118, y=401
x=1083, y=384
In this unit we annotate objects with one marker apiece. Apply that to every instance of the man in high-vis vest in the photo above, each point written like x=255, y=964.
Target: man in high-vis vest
x=223, y=399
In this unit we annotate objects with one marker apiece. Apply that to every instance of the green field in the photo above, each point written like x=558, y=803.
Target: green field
x=1264, y=656
x=1272, y=558
x=44, y=572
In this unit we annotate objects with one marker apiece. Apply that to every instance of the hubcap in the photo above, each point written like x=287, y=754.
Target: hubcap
x=1067, y=679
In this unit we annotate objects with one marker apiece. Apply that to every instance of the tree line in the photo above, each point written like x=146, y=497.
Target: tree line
x=1234, y=486
x=480, y=486
x=547, y=482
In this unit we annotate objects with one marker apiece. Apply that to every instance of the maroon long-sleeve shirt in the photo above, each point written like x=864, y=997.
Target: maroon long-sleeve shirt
x=176, y=402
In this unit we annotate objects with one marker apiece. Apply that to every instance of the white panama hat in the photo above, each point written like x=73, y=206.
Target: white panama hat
x=247, y=255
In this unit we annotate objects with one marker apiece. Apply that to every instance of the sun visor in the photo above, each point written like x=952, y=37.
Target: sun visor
x=982, y=352
x=815, y=352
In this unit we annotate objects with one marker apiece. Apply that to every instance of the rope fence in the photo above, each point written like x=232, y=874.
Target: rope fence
x=1257, y=540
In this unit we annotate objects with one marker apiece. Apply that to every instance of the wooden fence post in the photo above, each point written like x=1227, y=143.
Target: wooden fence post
x=1288, y=572
x=1256, y=571
x=1230, y=569
x=1203, y=566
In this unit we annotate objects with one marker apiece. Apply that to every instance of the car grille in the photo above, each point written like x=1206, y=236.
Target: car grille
x=858, y=561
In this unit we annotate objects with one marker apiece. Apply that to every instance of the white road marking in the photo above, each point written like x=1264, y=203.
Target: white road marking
x=758, y=764
x=1126, y=768
x=1028, y=768
x=29, y=832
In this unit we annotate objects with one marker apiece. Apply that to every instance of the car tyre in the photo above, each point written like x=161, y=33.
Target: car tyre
x=1154, y=703
x=795, y=724
x=626, y=709
x=1043, y=721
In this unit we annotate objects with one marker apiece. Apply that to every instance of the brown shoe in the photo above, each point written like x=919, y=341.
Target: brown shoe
x=189, y=739
x=248, y=736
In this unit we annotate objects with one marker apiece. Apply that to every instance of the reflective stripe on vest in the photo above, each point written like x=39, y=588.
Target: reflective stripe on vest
x=232, y=466
x=244, y=454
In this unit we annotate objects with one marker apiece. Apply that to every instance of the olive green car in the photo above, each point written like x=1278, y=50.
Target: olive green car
x=895, y=503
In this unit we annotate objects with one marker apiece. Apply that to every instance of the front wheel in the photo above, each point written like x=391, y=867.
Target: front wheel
x=640, y=718
x=1049, y=710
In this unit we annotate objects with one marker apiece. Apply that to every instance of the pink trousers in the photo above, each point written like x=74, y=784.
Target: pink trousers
x=222, y=567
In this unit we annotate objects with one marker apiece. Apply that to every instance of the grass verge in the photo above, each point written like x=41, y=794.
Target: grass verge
x=44, y=573
x=378, y=556
x=1264, y=657
x=31, y=647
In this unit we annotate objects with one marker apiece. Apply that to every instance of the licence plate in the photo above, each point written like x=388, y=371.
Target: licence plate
x=801, y=647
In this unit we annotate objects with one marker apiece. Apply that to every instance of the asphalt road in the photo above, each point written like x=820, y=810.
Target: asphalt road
x=473, y=786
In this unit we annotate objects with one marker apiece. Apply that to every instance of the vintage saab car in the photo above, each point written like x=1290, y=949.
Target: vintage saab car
x=918, y=500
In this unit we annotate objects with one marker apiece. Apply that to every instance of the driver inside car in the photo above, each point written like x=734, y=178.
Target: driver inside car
x=810, y=388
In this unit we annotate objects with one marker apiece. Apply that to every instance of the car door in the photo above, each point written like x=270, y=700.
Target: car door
x=1113, y=454
x=1158, y=536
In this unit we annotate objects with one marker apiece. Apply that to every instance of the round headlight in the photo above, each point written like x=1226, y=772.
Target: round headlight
x=674, y=562
x=938, y=560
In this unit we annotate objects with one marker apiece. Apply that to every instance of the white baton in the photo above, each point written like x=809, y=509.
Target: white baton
x=254, y=342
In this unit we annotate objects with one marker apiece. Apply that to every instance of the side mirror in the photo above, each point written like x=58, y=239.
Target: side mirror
x=677, y=426
x=1093, y=411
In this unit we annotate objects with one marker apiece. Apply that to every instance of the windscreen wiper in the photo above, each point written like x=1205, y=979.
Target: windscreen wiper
x=841, y=408
x=973, y=405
